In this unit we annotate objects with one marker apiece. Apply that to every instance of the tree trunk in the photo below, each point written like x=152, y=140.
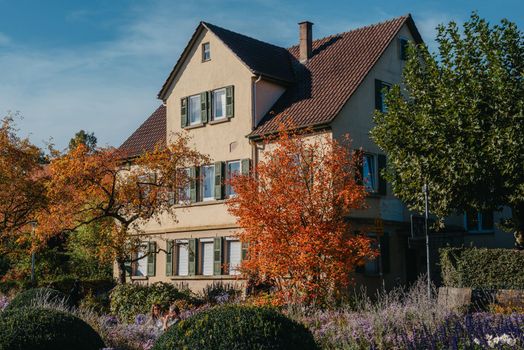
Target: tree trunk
x=121, y=266
x=518, y=222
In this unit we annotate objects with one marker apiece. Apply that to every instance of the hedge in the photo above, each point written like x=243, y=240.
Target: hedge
x=237, y=327
x=45, y=329
x=482, y=268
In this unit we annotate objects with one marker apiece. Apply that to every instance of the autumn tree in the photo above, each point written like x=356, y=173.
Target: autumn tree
x=101, y=187
x=21, y=182
x=86, y=138
x=459, y=123
x=294, y=216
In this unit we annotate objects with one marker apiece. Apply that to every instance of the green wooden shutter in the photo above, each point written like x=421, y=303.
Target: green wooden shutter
x=245, y=246
x=217, y=258
x=245, y=166
x=128, y=268
x=384, y=253
x=192, y=256
x=382, y=184
x=169, y=257
x=219, y=181
x=230, y=101
x=378, y=95
x=193, y=184
x=183, y=112
x=204, y=107
x=151, y=259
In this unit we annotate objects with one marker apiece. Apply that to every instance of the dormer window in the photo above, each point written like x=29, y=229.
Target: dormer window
x=206, y=52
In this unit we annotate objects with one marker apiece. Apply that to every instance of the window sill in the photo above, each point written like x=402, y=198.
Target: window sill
x=202, y=204
x=219, y=121
x=139, y=278
x=202, y=277
x=196, y=126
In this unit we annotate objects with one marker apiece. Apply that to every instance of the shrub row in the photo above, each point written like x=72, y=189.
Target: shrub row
x=482, y=268
x=129, y=300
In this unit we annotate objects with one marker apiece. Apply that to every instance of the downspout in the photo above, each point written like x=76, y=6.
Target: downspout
x=254, y=152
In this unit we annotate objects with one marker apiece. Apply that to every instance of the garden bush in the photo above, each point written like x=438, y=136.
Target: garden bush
x=38, y=295
x=45, y=329
x=219, y=293
x=237, y=327
x=482, y=268
x=129, y=300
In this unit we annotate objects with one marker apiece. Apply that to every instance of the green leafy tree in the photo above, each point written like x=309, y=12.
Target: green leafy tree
x=457, y=122
x=83, y=138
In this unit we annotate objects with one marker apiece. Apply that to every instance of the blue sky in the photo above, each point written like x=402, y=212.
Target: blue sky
x=97, y=65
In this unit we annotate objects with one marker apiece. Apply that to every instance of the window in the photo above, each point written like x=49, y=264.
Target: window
x=208, y=182
x=207, y=258
x=141, y=263
x=206, y=52
x=403, y=48
x=381, y=89
x=234, y=249
x=479, y=221
x=372, y=267
x=369, y=172
x=182, y=259
x=233, y=168
x=195, y=113
x=219, y=104
x=185, y=191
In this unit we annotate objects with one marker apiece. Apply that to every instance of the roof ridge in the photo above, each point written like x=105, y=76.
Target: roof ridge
x=357, y=29
x=244, y=35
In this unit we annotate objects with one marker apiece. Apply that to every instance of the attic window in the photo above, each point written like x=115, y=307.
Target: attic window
x=206, y=52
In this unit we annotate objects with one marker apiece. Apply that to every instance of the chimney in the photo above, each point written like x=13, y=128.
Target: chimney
x=305, y=41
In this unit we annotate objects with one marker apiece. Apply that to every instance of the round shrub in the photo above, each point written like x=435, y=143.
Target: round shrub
x=237, y=327
x=38, y=295
x=45, y=329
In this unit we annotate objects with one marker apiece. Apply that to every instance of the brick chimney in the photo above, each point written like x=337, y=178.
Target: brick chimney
x=306, y=41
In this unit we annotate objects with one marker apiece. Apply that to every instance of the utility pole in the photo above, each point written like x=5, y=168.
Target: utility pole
x=425, y=189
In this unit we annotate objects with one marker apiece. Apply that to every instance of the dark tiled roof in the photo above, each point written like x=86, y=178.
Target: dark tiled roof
x=327, y=80
x=261, y=58
x=151, y=133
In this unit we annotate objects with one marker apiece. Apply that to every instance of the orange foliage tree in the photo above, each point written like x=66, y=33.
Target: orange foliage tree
x=293, y=212
x=99, y=187
x=22, y=191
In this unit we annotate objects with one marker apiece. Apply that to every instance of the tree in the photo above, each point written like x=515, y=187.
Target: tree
x=461, y=126
x=84, y=138
x=294, y=217
x=22, y=191
x=101, y=187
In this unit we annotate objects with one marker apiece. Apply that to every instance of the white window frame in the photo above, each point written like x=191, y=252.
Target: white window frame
x=185, y=192
x=210, y=242
x=374, y=173
x=214, y=99
x=480, y=228
x=198, y=119
x=229, y=189
x=141, y=261
x=206, y=52
x=203, y=182
x=231, y=271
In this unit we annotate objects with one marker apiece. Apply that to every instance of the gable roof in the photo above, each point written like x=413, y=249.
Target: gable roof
x=261, y=58
x=327, y=80
x=152, y=132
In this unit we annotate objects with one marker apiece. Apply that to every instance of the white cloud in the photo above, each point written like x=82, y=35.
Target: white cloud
x=4, y=39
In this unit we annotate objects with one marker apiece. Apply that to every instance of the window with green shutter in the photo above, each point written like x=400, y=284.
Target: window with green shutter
x=382, y=184
x=246, y=166
x=245, y=247
x=204, y=107
x=183, y=112
x=169, y=257
x=217, y=257
x=151, y=259
x=192, y=256
x=385, y=253
x=193, y=185
x=230, y=101
x=381, y=89
x=219, y=180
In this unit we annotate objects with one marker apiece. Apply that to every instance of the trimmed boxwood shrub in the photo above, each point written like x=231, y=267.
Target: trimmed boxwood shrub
x=237, y=327
x=28, y=297
x=482, y=268
x=45, y=329
x=129, y=300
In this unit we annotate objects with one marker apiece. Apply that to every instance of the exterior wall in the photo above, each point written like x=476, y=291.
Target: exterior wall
x=266, y=94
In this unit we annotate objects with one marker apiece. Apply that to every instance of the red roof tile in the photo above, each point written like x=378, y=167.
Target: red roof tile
x=328, y=79
x=151, y=133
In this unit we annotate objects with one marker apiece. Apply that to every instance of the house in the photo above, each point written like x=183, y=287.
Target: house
x=229, y=90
